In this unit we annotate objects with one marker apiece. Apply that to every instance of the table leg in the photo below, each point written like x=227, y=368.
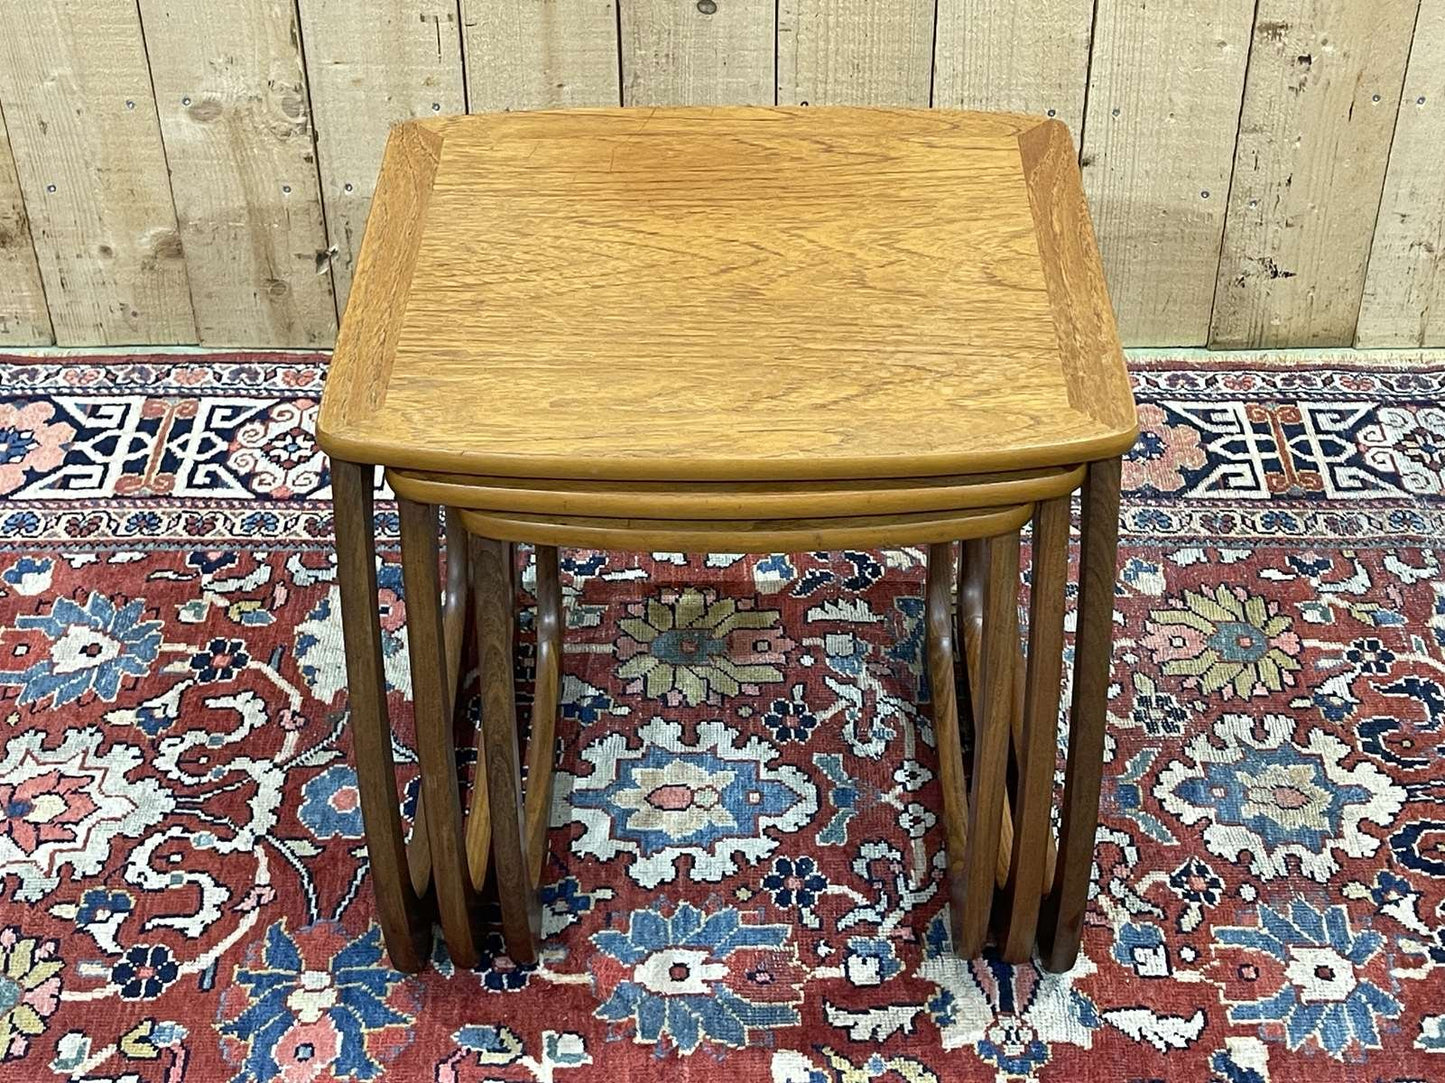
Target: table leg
x=405, y=924
x=993, y=708
x=973, y=575
x=495, y=600
x=941, y=652
x=542, y=744
x=1037, y=741
x=433, y=698
x=1062, y=922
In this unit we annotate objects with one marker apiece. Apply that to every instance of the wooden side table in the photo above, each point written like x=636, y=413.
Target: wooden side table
x=732, y=330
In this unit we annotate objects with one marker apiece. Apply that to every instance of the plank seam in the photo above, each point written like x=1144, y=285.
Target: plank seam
x=331, y=249
x=1233, y=169
x=462, y=52
x=622, y=86
x=777, y=49
x=145, y=46
x=933, y=57
x=1088, y=81
x=1385, y=181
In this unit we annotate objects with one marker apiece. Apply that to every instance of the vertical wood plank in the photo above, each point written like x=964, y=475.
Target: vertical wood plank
x=1164, y=92
x=676, y=52
x=1001, y=54
x=403, y=60
x=855, y=52
x=24, y=320
x=1404, y=302
x=1319, y=110
x=232, y=99
x=87, y=149
x=537, y=54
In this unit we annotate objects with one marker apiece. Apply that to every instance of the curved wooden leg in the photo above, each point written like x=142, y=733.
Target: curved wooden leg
x=433, y=695
x=1035, y=744
x=973, y=576
x=938, y=616
x=405, y=923
x=541, y=747
x=494, y=602
x=1061, y=925
x=479, y=813
x=994, y=706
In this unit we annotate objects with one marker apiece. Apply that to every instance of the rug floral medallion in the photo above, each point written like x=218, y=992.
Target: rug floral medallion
x=745, y=870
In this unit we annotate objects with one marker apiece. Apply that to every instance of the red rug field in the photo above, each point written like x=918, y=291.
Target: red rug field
x=744, y=874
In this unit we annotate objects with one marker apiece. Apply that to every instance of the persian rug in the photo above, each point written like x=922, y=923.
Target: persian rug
x=744, y=877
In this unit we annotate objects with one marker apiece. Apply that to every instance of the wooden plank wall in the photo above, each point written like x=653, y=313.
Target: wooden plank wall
x=76, y=91
x=404, y=60
x=1261, y=172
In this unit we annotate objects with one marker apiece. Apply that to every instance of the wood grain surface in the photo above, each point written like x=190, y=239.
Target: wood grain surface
x=1164, y=91
x=1404, y=300
x=993, y=706
x=24, y=319
x=542, y=742
x=1036, y=741
x=403, y=60
x=360, y=369
x=1091, y=358
x=82, y=123
x=1314, y=139
x=234, y=109
x=676, y=52
x=495, y=597
x=942, y=650
x=973, y=575
x=1062, y=919
x=855, y=52
x=746, y=536
x=432, y=697
x=405, y=922
x=758, y=281
x=539, y=54
x=739, y=500
x=1001, y=54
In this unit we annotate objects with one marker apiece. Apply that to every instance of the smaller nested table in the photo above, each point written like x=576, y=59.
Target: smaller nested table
x=739, y=330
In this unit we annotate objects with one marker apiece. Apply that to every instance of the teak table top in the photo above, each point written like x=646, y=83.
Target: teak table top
x=740, y=294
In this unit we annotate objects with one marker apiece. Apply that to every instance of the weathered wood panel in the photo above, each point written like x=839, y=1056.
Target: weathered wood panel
x=855, y=52
x=232, y=99
x=24, y=319
x=1023, y=57
x=1404, y=302
x=82, y=125
x=535, y=54
x=713, y=52
x=1164, y=93
x=403, y=60
x=1319, y=110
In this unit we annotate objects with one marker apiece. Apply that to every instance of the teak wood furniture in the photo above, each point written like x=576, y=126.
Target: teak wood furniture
x=737, y=330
